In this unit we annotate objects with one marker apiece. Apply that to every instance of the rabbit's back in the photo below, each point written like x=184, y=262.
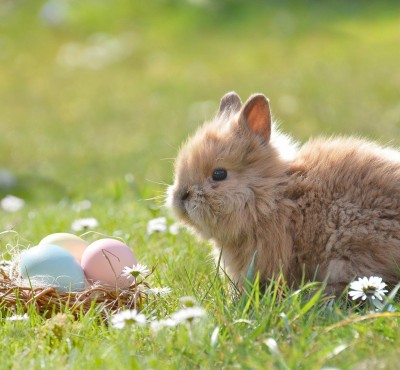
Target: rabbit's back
x=347, y=194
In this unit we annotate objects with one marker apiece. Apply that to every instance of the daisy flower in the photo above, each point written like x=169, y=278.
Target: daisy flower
x=188, y=301
x=84, y=224
x=364, y=288
x=10, y=203
x=157, y=225
x=174, y=229
x=128, y=317
x=188, y=314
x=82, y=205
x=24, y=317
x=161, y=324
x=160, y=291
x=135, y=271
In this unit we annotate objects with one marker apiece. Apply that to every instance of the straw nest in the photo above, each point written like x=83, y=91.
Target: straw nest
x=47, y=300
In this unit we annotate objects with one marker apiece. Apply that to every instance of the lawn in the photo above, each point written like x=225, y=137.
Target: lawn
x=96, y=98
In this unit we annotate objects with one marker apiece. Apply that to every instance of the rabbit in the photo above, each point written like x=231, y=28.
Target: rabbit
x=327, y=211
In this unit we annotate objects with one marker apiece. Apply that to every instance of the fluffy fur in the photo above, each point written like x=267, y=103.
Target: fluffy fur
x=328, y=211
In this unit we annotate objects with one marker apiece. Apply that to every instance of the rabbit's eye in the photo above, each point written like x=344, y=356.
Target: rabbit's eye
x=219, y=174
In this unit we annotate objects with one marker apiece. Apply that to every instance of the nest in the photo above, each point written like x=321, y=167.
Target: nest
x=47, y=300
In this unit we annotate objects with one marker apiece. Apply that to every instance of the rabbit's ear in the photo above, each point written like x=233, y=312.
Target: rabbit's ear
x=230, y=103
x=256, y=115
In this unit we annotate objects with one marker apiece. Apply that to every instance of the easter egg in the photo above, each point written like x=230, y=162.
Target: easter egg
x=72, y=243
x=104, y=260
x=50, y=265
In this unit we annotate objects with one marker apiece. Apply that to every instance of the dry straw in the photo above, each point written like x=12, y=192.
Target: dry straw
x=47, y=300
x=17, y=294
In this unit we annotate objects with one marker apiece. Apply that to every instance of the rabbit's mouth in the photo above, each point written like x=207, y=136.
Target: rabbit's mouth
x=189, y=206
x=176, y=202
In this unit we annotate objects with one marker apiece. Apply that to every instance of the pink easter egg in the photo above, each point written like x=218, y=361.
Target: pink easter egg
x=104, y=260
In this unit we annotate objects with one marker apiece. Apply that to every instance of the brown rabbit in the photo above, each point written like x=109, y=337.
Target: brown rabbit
x=327, y=211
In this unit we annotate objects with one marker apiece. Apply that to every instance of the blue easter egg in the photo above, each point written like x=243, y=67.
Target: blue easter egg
x=50, y=265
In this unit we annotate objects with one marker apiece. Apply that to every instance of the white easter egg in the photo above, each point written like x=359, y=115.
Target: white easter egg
x=72, y=243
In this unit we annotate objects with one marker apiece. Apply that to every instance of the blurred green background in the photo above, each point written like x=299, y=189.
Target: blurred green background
x=97, y=96
x=97, y=93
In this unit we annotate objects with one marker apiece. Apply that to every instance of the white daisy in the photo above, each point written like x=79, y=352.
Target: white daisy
x=161, y=324
x=364, y=288
x=24, y=317
x=135, y=271
x=10, y=203
x=160, y=291
x=128, y=317
x=188, y=314
x=84, y=224
x=174, y=229
x=82, y=205
x=157, y=225
x=188, y=301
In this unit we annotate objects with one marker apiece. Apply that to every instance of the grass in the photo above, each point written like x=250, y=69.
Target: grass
x=107, y=134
